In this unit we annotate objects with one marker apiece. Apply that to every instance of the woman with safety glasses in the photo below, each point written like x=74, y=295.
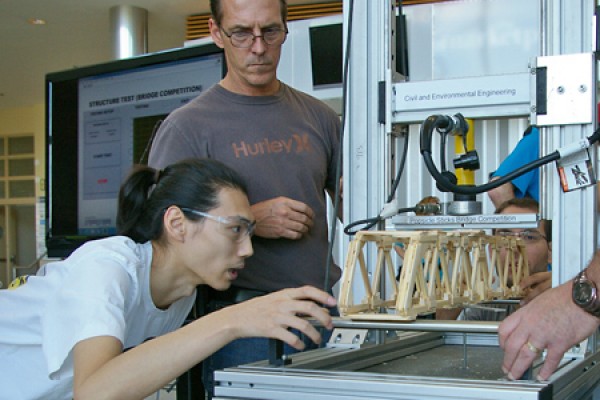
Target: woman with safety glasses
x=63, y=335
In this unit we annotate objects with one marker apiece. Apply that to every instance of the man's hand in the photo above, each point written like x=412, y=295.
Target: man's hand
x=282, y=217
x=552, y=322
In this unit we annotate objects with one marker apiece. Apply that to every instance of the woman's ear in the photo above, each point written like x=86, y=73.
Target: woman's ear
x=174, y=223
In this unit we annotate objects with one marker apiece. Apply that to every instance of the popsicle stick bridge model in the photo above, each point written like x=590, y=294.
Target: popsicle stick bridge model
x=439, y=270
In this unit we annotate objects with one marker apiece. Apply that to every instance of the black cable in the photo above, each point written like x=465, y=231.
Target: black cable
x=371, y=222
x=368, y=224
x=435, y=121
x=595, y=137
x=443, y=138
x=400, y=170
x=445, y=184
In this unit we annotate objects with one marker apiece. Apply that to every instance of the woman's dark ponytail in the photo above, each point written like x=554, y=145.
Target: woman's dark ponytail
x=147, y=193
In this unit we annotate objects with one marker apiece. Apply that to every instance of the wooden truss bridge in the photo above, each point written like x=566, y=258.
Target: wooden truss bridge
x=440, y=270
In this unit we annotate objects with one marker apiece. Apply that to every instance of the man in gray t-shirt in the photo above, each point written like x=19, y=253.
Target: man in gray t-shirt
x=284, y=143
x=285, y=146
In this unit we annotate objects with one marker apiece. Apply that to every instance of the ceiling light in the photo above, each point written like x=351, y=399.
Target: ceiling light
x=36, y=21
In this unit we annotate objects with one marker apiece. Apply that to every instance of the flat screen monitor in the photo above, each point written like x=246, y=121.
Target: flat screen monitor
x=326, y=54
x=99, y=122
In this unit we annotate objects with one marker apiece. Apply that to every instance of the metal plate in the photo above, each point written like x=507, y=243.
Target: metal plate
x=569, y=90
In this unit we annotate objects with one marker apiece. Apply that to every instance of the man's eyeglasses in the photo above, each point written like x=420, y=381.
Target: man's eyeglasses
x=527, y=236
x=237, y=228
x=245, y=39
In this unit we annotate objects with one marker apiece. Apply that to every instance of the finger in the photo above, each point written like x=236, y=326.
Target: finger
x=282, y=214
x=289, y=320
x=551, y=362
x=300, y=218
x=312, y=310
x=511, y=341
x=526, y=356
x=301, y=208
x=277, y=227
x=288, y=337
x=304, y=209
x=311, y=292
x=290, y=234
x=298, y=226
x=309, y=310
x=304, y=326
x=506, y=328
x=288, y=221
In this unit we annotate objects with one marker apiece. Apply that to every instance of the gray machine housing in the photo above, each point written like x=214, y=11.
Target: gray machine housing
x=411, y=365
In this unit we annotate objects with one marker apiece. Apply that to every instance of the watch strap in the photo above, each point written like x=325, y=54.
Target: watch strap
x=593, y=307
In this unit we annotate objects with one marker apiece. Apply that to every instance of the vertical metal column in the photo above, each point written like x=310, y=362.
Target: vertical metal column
x=366, y=141
x=129, y=29
x=568, y=28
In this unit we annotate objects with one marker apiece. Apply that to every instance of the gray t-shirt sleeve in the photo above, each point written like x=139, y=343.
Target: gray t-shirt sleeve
x=170, y=146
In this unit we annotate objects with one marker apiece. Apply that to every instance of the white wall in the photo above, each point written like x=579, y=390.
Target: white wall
x=295, y=66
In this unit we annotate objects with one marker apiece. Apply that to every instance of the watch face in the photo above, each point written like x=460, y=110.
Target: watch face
x=582, y=293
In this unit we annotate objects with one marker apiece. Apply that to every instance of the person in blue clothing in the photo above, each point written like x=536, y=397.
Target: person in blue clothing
x=526, y=185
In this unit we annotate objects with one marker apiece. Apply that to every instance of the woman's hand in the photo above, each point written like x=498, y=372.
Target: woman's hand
x=271, y=315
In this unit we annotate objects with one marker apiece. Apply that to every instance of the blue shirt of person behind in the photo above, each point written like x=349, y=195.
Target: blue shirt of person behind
x=526, y=151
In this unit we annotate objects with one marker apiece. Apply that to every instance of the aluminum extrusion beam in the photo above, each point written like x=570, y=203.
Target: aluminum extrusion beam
x=422, y=325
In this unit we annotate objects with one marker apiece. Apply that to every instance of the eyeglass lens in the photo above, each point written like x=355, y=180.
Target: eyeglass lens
x=528, y=236
x=237, y=228
x=244, y=39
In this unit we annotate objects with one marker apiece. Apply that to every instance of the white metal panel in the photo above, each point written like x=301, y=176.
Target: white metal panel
x=295, y=67
x=469, y=38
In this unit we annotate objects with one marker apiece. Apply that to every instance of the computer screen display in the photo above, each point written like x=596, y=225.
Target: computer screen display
x=99, y=123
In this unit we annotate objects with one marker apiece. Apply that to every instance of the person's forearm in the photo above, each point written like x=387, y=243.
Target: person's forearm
x=142, y=370
x=148, y=367
x=501, y=194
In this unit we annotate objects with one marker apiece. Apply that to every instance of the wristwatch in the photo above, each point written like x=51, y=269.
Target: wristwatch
x=585, y=294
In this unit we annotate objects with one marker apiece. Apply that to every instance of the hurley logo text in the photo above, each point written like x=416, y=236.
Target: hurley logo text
x=296, y=144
